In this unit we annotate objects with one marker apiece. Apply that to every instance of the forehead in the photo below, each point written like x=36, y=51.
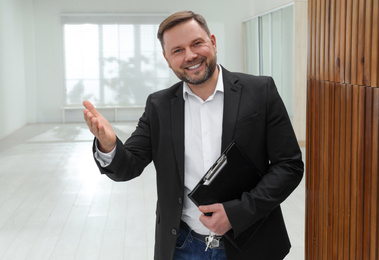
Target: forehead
x=182, y=34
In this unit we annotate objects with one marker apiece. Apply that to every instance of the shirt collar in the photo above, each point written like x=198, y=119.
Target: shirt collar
x=219, y=86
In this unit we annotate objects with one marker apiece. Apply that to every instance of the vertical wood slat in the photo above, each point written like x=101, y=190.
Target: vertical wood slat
x=375, y=45
x=322, y=39
x=343, y=130
x=311, y=37
x=342, y=44
x=348, y=169
x=354, y=42
x=360, y=171
x=331, y=40
x=368, y=41
x=367, y=174
x=361, y=42
x=330, y=167
x=348, y=43
x=321, y=157
x=317, y=39
x=373, y=238
x=342, y=172
x=326, y=105
x=309, y=181
x=354, y=174
x=335, y=170
x=327, y=37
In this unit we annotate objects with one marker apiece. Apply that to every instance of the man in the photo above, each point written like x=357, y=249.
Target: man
x=183, y=131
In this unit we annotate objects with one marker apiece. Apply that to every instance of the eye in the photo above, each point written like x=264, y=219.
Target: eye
x=176, y=51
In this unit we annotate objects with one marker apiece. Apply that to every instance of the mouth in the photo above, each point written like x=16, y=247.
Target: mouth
x=194, y=66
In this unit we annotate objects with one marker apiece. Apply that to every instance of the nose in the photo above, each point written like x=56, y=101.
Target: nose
x=190, y=54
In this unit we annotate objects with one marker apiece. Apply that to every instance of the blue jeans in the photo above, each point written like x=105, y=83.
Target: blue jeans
x=189, y=247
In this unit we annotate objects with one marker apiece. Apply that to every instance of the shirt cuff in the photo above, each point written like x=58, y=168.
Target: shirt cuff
x=104, y=159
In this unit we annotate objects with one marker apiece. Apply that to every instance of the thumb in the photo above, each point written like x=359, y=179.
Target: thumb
x=207, y=208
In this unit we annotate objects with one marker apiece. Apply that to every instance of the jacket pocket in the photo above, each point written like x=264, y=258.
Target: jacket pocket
x=248, y=120
x=247, y=127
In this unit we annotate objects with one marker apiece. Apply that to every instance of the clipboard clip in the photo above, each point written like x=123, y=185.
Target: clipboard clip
x=215, y=169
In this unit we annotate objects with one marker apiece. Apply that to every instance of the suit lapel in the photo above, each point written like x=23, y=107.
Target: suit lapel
x=232, y=94
x=177, y=129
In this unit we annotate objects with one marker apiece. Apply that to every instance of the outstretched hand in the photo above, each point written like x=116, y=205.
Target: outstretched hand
x=99, y=127
x=218, y=223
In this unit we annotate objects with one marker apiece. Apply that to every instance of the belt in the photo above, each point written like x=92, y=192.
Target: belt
x=202, y=238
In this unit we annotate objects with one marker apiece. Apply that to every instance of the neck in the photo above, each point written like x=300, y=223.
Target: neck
x=205, y=90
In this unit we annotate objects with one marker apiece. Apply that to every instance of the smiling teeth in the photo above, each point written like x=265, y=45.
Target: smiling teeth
x=195, y=66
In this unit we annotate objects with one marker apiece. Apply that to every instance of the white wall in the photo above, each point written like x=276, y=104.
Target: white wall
x=261, y=7
x=13, y=107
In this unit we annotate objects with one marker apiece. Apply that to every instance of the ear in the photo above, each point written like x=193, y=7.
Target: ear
x=213, y=41
x=164, y=55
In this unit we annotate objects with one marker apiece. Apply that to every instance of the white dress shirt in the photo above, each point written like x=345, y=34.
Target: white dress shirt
x=203, y=133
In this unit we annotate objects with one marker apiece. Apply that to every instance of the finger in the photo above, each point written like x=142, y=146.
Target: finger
x=87, y=116
x=88, y=105
x=203, y=209
x=92, y=123
x=95, y=126
x=208, y=208
x=205, y=220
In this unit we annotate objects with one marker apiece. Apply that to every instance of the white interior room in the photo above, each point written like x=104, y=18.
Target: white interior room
x=54, y=204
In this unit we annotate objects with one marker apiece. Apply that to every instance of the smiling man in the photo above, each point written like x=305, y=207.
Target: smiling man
x=183, y=131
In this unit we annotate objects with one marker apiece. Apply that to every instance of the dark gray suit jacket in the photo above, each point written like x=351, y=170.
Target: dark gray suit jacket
x=255, y=117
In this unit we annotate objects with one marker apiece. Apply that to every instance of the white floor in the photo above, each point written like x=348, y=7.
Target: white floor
x=54, y=204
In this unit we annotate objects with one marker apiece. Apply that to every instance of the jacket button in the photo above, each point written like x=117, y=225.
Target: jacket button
x=180, y=200
x=173, y=231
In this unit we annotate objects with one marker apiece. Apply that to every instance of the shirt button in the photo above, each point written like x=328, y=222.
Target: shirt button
x=180, y=200
x=173, y=231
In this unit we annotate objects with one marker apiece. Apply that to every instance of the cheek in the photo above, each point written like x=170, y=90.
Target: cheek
x=168, y=62
x=174, y=63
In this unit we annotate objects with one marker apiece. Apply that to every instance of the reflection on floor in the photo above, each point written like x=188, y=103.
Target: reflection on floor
x=54, y=204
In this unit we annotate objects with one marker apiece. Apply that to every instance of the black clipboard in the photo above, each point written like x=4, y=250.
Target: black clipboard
x=231, y=175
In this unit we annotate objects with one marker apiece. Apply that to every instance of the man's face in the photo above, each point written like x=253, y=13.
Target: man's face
x=190, y=52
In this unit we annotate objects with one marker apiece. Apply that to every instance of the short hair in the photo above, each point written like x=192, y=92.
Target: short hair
x=180, y=18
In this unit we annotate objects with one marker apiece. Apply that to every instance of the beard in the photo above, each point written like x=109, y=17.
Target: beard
x=210, y=68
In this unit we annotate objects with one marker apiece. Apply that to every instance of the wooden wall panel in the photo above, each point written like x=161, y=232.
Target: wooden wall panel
x=342, y=130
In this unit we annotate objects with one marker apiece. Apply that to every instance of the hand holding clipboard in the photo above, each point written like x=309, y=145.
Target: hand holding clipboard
x=229, y=177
